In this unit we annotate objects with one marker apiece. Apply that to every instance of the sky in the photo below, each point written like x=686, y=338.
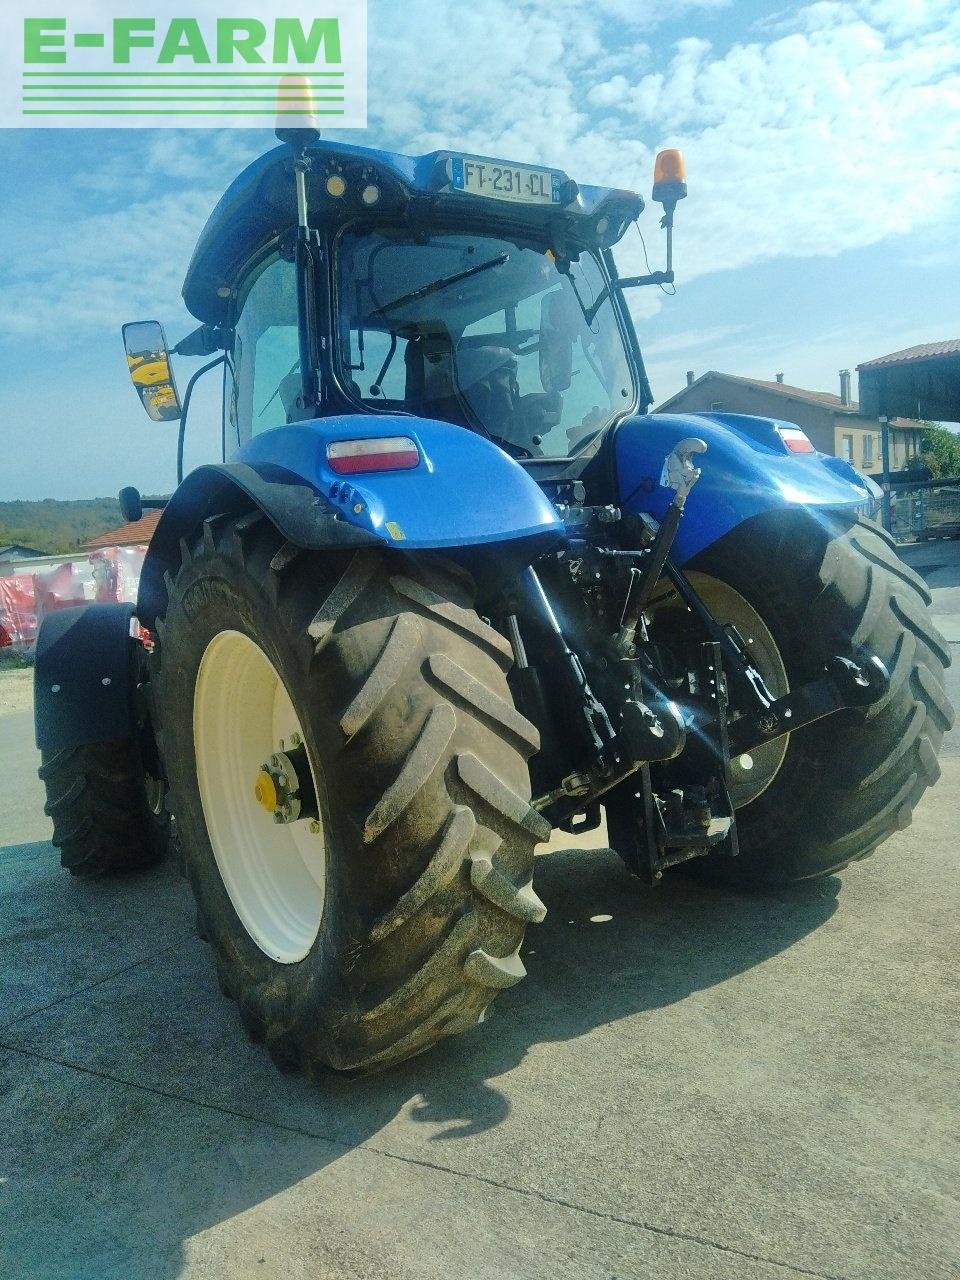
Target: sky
x=822, y=144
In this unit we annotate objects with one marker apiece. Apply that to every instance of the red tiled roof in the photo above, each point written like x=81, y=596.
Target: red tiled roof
x=826, y=399
x=925, y=351
x=799, y=393
x=137, y=533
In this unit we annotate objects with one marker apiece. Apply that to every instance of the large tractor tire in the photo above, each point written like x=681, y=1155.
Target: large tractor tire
x=108, y=813
x=366, y=690
x=800, y=590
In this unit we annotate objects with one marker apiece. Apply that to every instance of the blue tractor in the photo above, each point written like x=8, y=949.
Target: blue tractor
x=453, y=587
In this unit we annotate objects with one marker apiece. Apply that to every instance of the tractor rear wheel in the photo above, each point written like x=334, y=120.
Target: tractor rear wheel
x=832, y=792
x=349, y=778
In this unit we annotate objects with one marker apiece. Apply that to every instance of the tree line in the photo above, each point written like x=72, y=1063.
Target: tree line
x=56, y=527
x=939, y=453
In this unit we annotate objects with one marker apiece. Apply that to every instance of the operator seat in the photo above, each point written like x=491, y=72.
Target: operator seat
x=487, y=380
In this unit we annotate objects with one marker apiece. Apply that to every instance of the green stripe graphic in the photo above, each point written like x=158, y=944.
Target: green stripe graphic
x=201, y=111
x=274, y=74
x=316, y=91
x=180, y=97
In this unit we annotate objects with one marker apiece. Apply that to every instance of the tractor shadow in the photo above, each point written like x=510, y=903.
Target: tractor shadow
x=140, y=1080
x=610, y=948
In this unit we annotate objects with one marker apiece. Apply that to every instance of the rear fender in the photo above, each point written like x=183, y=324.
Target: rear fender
x=465, y=492
x=83, y=676
x=465, y=497
x=301, y=514
x=746, y=471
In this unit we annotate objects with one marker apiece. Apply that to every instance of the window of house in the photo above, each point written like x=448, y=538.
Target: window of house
x=868, y=451
x=847, y=449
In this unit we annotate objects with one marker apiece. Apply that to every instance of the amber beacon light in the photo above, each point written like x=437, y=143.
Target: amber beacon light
x=669, y=178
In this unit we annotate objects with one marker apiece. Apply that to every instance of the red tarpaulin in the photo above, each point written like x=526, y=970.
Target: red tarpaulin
x=108, y=574
x=18, y=611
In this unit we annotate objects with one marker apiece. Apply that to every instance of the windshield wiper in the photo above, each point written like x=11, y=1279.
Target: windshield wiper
x=425, y=290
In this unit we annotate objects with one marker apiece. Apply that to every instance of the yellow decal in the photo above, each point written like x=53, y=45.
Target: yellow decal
x=395, y=532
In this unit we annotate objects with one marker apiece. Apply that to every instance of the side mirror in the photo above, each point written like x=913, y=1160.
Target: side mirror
x=148, y=359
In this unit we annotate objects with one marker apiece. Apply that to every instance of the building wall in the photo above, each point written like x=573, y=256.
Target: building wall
x=904, y=445
x=859, y=445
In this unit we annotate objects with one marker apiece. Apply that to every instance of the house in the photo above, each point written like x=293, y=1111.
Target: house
x=919, y=382
x=16, y=551
x=833, y=422
x=135, y=534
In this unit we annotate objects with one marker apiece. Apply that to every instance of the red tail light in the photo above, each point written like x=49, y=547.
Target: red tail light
x=386, y=453
x=797, y=441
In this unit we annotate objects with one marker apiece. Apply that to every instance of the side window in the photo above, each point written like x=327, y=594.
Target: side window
x=266, y=352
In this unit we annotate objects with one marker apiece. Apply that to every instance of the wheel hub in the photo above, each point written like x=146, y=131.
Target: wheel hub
x=277, y=788
x=265, y=790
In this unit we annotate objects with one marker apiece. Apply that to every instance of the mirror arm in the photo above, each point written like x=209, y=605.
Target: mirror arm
x=202, y=342
x=186, y=408
x=636, y=282
x=630, y=282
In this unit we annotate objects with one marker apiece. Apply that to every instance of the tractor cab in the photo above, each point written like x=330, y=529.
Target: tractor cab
x=471, y=291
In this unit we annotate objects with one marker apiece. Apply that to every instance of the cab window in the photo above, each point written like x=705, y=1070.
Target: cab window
x=485, y=332
x=266, y=352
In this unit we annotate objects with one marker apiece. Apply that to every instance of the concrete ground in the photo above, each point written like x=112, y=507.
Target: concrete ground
x=690, y=1084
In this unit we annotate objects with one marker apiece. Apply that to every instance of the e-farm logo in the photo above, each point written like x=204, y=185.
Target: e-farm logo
x=90, y=67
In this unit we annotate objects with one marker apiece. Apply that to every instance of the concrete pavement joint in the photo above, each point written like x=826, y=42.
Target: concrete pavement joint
x=527, y=1192
x=107, y=977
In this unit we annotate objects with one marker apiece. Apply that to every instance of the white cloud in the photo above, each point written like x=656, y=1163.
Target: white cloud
x=837, y=126
x=107, y=268
x=691, y=340
x=836, y=130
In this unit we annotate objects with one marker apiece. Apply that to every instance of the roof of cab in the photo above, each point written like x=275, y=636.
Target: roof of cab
x=260, y=204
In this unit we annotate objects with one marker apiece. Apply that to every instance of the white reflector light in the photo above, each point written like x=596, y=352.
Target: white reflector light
x=797, y=441
x=386, y=453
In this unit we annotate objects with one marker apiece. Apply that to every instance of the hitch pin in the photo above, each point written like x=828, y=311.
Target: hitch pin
x=679, y=474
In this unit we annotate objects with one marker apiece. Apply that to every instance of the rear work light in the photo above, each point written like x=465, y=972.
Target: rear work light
x=797, y=441
x=385, y=453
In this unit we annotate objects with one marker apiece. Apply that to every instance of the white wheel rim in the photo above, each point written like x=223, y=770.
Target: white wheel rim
x=750, y=774
x=275, y=874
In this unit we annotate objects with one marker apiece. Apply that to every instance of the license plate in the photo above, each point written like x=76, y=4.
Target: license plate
x=499, y=181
